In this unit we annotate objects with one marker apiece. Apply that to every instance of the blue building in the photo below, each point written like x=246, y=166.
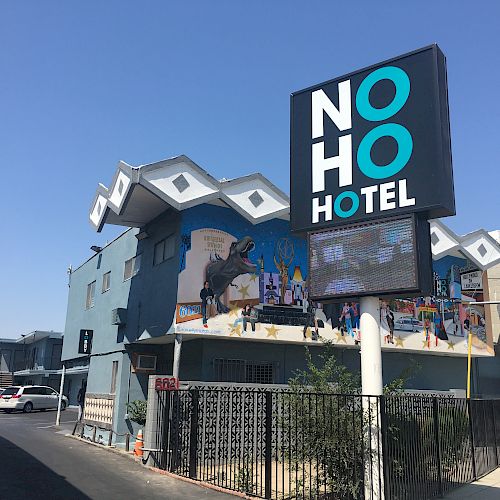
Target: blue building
x=31, y=359
x=134, y=307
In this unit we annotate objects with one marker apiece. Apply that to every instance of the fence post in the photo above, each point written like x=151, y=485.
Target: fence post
x=384, y=447
x=268, y=444
x=471, y=430
x=493, y=420
x=193, y=435
x=435, y=411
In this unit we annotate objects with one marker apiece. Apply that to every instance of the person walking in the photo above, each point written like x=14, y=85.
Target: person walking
x=206, y=293
x=80, y=398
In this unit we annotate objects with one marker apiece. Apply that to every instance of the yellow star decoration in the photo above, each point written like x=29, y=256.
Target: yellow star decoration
x=424, y=344
x=235, y=330
x=451, y=345
x=272, y=332
x=399, y=342
x=244, y=291
x=341, y=338
x=253, y=277
x=308, y=333
x=234, y=308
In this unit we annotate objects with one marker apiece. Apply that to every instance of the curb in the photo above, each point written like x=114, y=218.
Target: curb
x=130, y=456
x=208, y=486
x=111, y=449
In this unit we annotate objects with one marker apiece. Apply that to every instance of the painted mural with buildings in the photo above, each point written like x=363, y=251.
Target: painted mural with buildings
x=257, y=288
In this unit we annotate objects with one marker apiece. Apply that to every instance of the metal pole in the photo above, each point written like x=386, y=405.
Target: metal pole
x=372, y=385
x=177, y=355
x=61, y=387
x=469, y=362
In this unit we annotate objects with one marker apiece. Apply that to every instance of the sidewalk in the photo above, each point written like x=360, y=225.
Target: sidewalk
x=487, y=488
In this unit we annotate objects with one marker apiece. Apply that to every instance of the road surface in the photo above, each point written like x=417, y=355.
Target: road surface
x=37, y=461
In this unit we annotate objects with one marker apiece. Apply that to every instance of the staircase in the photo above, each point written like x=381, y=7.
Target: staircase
x=6, y=379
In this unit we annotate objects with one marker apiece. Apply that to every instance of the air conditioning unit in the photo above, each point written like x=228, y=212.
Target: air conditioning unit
x=119, y=316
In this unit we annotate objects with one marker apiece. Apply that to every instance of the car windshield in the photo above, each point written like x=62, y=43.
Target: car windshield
x=10, y=391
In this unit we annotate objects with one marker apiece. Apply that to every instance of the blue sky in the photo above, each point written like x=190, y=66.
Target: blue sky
x=85, y=84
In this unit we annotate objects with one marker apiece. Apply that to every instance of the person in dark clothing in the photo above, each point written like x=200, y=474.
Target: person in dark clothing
x=390, y=323
x=249, y=315
x=206, y=293
x=311, y=321
x=80, y=398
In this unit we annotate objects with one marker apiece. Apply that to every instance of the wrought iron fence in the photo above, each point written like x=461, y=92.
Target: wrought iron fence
x=282, y=445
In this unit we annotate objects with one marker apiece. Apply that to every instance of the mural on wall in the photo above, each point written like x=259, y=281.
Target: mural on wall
x=237, y=279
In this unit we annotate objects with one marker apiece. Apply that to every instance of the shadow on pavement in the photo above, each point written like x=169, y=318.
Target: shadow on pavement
x=24, y=476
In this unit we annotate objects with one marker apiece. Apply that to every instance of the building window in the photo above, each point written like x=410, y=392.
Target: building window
x=164, y=250
x=106, y=281
x=132, y=267
x=239, y=370
x=90, y=295
x=114, y=374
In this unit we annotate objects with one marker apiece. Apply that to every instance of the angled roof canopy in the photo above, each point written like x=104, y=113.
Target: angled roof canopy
x=139, y=194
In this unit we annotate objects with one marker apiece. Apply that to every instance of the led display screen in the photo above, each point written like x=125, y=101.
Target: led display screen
x=364, y=259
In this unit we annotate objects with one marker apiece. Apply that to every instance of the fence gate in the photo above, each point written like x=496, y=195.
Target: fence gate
x=282, y=444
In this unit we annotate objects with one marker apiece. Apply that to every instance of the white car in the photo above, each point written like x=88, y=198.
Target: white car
x=408, y=324
x=30, y=397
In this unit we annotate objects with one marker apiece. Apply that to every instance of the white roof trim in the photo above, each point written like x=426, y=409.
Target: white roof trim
x=181, y=184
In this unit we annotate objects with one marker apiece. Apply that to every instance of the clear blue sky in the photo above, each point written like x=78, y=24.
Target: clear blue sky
x=85, y=84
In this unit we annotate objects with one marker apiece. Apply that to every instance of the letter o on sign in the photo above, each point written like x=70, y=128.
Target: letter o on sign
x=402, y=84
x=405, y=148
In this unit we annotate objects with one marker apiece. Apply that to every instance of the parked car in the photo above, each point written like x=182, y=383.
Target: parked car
x=407, y=323
x=30, y=397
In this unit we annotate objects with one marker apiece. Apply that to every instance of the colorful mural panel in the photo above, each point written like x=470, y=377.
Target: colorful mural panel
x=237, y=279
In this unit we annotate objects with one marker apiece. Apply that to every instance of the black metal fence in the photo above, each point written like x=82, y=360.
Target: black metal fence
x=283, y=445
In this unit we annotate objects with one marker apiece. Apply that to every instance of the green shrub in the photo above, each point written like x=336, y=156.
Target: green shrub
x=137, y=411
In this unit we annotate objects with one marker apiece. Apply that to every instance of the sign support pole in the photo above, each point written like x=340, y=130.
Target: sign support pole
x=372, y=385
x=371, y=349
x=177, y=355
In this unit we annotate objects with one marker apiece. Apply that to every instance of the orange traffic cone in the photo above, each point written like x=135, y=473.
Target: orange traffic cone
x=139, y=443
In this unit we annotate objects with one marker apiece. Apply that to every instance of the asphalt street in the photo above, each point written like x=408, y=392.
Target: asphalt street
x=38, y=461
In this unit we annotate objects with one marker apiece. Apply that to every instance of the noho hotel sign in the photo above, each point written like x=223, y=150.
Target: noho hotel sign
x=373, y=143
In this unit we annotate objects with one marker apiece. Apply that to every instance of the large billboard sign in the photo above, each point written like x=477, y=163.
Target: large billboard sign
x=385, y=257
x=372, y=144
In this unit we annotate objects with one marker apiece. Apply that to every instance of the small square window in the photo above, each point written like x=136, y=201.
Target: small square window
x=132, y=267
x=164, y=250
x=159, y=250
x=106, y=281
x=90, y=295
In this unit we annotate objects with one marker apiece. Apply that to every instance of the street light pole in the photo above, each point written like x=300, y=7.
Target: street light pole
x=61, y=388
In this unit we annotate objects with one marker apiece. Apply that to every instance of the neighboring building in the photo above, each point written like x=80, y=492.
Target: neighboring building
x=34, y=358
x=9, y=352
x=134, y=306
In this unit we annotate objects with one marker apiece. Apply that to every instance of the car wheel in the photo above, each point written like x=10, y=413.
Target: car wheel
x=28, y=407
x=63, y=405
